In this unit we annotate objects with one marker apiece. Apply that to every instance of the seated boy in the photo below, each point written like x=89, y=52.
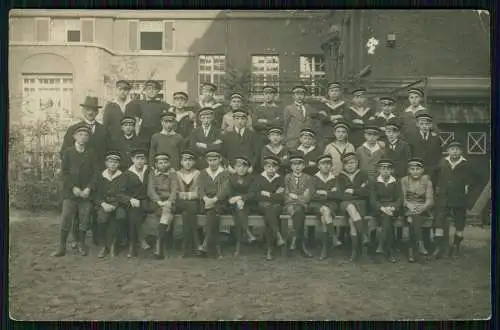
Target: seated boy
x=267, y=190
x=187, y=203
x=236, y=103
x=418, y=199
x=162, y=192
x=310, y=150
x=385, y=198
x=238, y=194
x=298, y=192
x=276, y=148
x=213, y=181
x=353, y=185
x=324, y=201
x=339, y=146
x=110, y=196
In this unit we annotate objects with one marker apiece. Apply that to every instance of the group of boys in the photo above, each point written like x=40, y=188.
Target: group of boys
x=150, y=157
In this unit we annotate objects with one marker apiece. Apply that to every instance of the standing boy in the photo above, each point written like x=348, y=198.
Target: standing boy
x=456, y=175
x=162, y=192
x=184, y=117
x=238, y=194
x=268, y=191
x=334, y=108
x=297, y=116
x=207, y=100
x=167, y=141
x=339, y=147
x=236, y=103
x=370, y=152
x=187, y=202
x=386, y=199
x=396, y=150
x=298, y=191
x=110, y=197
x=310, y=150
x=268, y=114
x=275, y=148
x=125, y=142
x=357, y=116
x=205, y=136
x=409, y=121
x=115, y=110
x=324, y=202
x=137, y=199
x=386, y=114
x=213, y=182
x=78, y=168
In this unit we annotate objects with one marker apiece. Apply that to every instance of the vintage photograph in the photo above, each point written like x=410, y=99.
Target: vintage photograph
x=249, y=165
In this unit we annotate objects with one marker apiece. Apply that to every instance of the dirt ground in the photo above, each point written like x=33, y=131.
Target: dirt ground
x=249, y=288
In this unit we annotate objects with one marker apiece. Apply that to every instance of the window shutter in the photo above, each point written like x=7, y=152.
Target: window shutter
x=132, y=35
x=168, y=36
x=87, y=30
x=42, y=30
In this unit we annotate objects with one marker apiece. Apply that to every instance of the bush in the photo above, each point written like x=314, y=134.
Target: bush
x=34, y=194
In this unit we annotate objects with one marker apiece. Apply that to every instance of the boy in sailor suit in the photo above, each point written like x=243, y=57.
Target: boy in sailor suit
x=310, y=150
x=184, y=117
x=332, y=111
x=267, y=114
x=409, y=121
x=339, y=147
x=357, y=116
x=207, y=100
x=275, y=148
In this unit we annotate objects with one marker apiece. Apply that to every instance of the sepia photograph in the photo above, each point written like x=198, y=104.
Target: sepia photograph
x=215, y=165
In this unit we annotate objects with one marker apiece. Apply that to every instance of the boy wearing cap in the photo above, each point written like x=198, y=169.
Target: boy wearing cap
x=396, y=150
x=324, y=202
x=333, y=110
x=426, y=143
x=386, y=199
x=167, y=141
x=213, y=182
x=205, y=136
x=339, y=146
x=148, y=112
x=297, y=116
x=267, y=190
x=267, y=114
x=353, y=186
x=235, y=104
x=309, y=150
x=184, y=117
x=125, y=142
x=386, y=113
x=357, y=115
x=78, y=169
x=298, y=191
x=241, y=140
x=275, y=148
x=238, y=194
x=418, y=199
x=115, y=110
x=162, y=192
x=136, y=189
x=109, y=200
x=371, y=151
x=455, y=177
x=187, y=201
x=207, y=100
x=409, y=121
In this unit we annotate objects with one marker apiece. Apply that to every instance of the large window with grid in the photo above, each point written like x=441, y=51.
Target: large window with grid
x=265, y=71
x=313, y=74
x=212, y=69
x=476, y=143
x=445, y=138
x=137, y=90
x=72, y=30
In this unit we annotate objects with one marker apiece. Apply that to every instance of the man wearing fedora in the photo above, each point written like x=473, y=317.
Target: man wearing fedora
x=97, y=142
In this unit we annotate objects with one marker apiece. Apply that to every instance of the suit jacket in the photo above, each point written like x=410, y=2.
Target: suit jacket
x=409, y=128
x=272, y=113
x=78, y=170
x=294, y=121
x=112, y=116
x=359, y=183
x=217, y=107
x=97, y=141
x=304, y=188
x=329, y=114
x=198, y=136
x=400, y=156
x=236, y=145
x=271, y=185
x=125, y=146
x=429, y=151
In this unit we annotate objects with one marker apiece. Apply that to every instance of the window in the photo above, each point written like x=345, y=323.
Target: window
x=137, y=90
x=312, y=73
x=476, y=143
x=73, y=30
x=212, y=69
x=42, y=29
x=48, y=97
x=446, y=137
x=265, y=71
x=151, y=35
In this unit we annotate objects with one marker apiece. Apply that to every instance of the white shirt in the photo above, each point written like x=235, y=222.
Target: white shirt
x=140, y=175
x=454, y=164
x=391, y=180
x=241, y=131
x=322, y=178
x=109, y=177
x=206, y=131
x=213, y=175
x=301, y=108
x=91, y=124
x=264, y=174
x=414, y=110
x=376, y=147
x=306, y=151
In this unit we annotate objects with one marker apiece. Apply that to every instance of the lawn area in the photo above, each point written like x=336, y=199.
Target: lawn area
x=248, y=288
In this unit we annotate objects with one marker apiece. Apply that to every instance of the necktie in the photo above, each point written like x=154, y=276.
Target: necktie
x=92, y=128
x=393, y=146
x=303, y=109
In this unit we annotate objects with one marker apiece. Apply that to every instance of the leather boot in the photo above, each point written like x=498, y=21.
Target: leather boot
x=411, y=255
x=131, y=250
x=324, y=248
x=421, y=248
x=454, y=248
x=112, y=249
x=269, y=255
x=104, y=251
x=438, y=252
x=82, y=247
x=61, y=251
x=355, y=248
x=279, y=239
x=293, y=244
x=305, y=250
x=158, y=252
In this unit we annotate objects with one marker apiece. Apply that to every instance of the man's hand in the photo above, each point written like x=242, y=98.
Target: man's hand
x=108, y=207
x=77, y=192
x=85, y=193
x=231, y=170
x=262, y=121
x=386, y=210
x=311, y=163
x=234, y=199
x=192, y=115
x=280, y=190
x=135, y=202
x=201, y=145
x=161, y=203
x=323, y=113
x=218, y=141
x=240, y=204
x=358, y=121
x=250, y=169
x=321, y=192
x=265, y=193
x=349, y=191
x=293, y=196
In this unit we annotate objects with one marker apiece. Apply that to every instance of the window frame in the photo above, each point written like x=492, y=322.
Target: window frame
x=49, y=36
x=259, y=96
x=312, y=80
x=93, y=28
x=163, y=41
x=484, y=136
x=219, y=93
x=140, y=84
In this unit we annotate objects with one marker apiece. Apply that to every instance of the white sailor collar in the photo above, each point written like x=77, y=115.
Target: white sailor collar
x=334, y=106
x=382, y=115
x=213, y=175
x=371, y=149
x=109, y=177
x=164, y=173
x=264, y=174
x=306, y=151
x=352, y=175
x=212, y=105
x=272, y=105
x=325, y=180
x=391, y=179
x=360, y=112
x=453, y=165
x=139, y=174
x=280, y=147
x=188, y=177
x=410, y=109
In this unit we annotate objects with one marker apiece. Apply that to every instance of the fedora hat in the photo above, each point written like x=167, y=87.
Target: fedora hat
x=91, y=102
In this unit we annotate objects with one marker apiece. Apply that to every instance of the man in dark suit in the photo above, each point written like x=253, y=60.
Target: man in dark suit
x=298, y=116
x=426, y=144
x=115, y=110
x=97, y=139
x=205, y=137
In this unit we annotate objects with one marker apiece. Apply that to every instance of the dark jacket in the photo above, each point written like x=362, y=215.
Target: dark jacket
x=294, y=121
x=135, y=188
x=111, y=118
x=382, y=194
x=310, y=158
x=239, y=186
x=198, y=136
x=111, y=190
x=125, y=146
x=330, y=186
x=261, y=183
x=79, y=170
x=213, y=187
x=236, y=145
x=400, y=156
x=97, y=141
x=430, y=151
x=360, y=184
